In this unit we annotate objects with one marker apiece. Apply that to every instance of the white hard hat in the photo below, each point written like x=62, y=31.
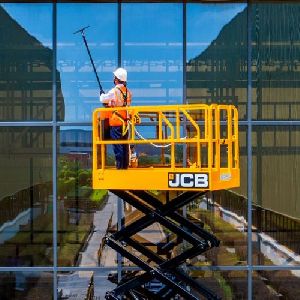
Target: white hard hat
x=121, y=74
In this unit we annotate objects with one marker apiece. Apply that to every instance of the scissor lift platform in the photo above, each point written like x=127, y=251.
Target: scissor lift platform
x=196, y=148
x=196, y=151
x=157, y=266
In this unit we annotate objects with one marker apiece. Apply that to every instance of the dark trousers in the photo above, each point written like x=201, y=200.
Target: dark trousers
x=121, y=151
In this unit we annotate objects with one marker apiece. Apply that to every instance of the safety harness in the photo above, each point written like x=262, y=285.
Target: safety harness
x=124, y=121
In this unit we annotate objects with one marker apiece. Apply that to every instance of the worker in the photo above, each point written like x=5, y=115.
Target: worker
x=118, y=96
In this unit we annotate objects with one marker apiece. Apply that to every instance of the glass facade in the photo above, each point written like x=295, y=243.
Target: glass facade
x=275, y=62
x=52, y=223
x=153, y=52
x=26, y=62
x=80, y=87
x=217, y=58
x=26, y=196
x=14, y=285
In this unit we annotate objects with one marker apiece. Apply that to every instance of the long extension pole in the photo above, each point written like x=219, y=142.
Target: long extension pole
x=91, y=59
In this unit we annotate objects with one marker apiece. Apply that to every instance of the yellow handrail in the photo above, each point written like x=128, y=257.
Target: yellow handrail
x=207, y=150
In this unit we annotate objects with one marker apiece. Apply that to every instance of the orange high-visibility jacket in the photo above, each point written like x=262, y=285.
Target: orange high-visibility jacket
x=117, y=97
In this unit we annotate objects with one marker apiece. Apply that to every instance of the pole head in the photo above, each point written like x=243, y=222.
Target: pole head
x=81, y=30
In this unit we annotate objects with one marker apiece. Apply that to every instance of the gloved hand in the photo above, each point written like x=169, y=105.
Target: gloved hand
x=102, y=92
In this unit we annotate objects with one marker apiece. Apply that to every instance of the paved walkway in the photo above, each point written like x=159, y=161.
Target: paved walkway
x=101, y=220
x=75, y=285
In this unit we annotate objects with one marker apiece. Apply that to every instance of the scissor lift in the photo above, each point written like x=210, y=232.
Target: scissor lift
x=197, y=152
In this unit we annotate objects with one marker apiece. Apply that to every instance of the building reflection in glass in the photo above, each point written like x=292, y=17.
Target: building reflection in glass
x=222, y=62
x=275, y=61
x=75, y=207
x=281, y=284
x=27, y=64
x=26, y=196
x=152, y=53
x=218, y=74
x=217, y=58
x=26, y=285
x=26, y=237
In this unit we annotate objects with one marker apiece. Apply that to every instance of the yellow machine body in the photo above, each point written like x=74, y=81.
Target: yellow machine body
x=180, y=147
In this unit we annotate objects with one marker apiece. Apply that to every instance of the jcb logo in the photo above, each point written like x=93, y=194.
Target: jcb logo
x=188, y=180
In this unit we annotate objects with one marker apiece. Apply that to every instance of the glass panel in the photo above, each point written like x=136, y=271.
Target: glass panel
x=152, y=52
x=26, y=62
x=217, y=58
x=224, y=213
x=26, y=285
x=281, y=284
x=275, y=63
x=225, y=285
x=79, y=88
x=276, y=208
x=83, y=213
x=85, y=285
x=26, y=196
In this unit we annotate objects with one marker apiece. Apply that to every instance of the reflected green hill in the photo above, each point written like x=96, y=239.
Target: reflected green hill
x=219, y=75
x=26, y=67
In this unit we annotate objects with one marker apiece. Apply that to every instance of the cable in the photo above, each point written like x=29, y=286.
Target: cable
x=154, y=145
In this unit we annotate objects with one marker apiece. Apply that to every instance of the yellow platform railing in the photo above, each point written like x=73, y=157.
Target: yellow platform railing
x=197, y=148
